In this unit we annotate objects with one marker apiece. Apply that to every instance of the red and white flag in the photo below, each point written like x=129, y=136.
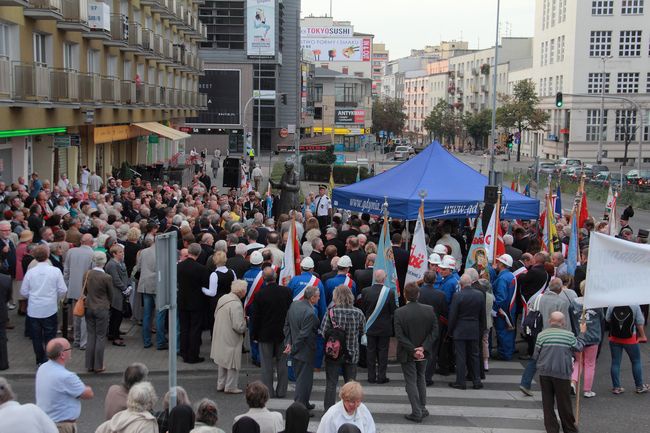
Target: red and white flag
x=494, y=245
x=418, y=257
x=255, y=287
x=291, y=261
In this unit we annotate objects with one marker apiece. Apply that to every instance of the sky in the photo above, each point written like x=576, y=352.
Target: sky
x=406, y=24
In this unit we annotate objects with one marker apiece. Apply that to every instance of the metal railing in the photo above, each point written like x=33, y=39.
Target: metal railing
x=158, y=44
x=54, y=5
x=147, y=39
x=141, y=97
x=152, y=96
x=119, y=28
x=5, y=77
x=31, y=81
x=127, y=92
x=110, y=89
x=177, y=55
x=168, y=49
x=75, y=11
x=90, y=87
x=64, y=85
x=135, y=34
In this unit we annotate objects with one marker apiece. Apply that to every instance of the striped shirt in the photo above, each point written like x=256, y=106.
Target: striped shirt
x=554, y=352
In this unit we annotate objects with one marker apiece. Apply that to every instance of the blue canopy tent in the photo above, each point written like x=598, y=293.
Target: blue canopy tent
x=454, y=190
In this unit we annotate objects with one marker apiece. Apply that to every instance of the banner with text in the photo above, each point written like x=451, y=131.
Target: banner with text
x=615, y=272
x=356, y=117
x=336, y=49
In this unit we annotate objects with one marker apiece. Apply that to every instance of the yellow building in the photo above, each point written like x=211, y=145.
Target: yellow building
x=95, y=83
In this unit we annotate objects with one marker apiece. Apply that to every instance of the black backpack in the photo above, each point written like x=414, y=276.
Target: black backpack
x=622, y=322
x=533, y=323
x=335, y=347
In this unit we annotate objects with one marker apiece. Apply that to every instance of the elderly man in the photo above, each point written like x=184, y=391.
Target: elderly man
x=554, y=351
x=342, y=276
x=16, y=417
x=430, y=295
x=378, y=305
x=505, y=308
x=559, y=264
x=123, y=288
x=77, y=262
x=58, y=390
x=146, y=264
x=43, y=286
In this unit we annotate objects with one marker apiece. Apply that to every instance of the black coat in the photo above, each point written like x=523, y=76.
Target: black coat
x=415, y=326
x=467, y=315
x=363, y=278
x=192, y=276
x=532, y=281
x=5, y=294
x=238, y=264
x=316, y=257
x=436, y=298
x=270, y=307
x=401, y=263
x=515, y=253
x=326, y=276
x=323, y=267
x=383, y=325
x=340, y=246
x=358, y=258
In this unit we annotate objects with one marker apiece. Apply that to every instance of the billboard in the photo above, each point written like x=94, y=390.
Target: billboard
x=336, y=49
x=222, y=87
x=329, y=31
x=349, y=117
x=260, y=27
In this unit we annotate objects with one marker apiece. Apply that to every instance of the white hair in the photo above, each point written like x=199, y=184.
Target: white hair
x=508, y=239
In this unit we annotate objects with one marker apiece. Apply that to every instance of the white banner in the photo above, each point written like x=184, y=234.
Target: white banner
x=418, y=263
x=491, y=238
x=260, y=27
x=615, y=275
x=336, y=49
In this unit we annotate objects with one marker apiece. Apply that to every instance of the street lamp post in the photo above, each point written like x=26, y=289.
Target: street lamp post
x=492, y=176
x=599, y=156
x=259, y=100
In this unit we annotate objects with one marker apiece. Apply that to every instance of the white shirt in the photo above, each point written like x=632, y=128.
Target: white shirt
x=269, y=422
x=84, y=177
x=323, y=205
x=43, y=285
x=24, y=418
x=214, y=281
x=257, y=173
x=336, y=416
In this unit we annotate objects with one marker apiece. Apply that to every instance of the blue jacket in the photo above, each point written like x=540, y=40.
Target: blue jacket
x=337, y=280
x=449, y=286
x=249, y=277
x=299, y=282
x=505, y=288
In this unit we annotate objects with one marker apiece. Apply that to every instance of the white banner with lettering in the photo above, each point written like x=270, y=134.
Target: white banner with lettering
x=617, y=271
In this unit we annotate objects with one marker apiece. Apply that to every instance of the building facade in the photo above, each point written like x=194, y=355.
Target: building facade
x=89, y=83
x=379, y=60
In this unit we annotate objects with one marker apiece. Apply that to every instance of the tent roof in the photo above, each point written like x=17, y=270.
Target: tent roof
x=453, y=190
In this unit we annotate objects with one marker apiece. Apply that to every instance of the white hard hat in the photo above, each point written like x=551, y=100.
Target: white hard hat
x=307, y=263
x=448, y=262
x=434, y=259
x=256, y=258
x=440, y=249
x=345, y=262
x=506, y=259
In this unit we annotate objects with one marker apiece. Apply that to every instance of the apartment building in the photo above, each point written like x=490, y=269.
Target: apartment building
x=379, y=60
x=96, y=84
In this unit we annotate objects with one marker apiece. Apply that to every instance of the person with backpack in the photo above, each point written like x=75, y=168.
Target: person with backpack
x=625, y=333
x=585, y=361
x=342, y=327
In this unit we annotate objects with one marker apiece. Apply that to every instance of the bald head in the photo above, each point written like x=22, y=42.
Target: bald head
x=556, y=319
x=87, y=240
x=379, y=276
x=57, y=347
x=465, y=281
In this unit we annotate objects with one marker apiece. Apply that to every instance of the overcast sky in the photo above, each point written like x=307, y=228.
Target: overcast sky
x=406, y=24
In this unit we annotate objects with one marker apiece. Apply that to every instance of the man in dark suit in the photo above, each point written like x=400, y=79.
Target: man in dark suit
x=363, y=277
x=415, y=328
x=353, y=230
x=332, y=239
x=333, y=264
x=193, y=279
x=207, y=240
x=514, y=252
x=401, y=258
x=317, y=246
x=270, y=307
x=300, y=328
x=238, y=262
x=466, y=325
x=357, y=255
x=378, y=333
x=324, y=265
x=429, y=295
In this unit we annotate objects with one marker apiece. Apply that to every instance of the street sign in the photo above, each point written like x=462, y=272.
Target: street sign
x=284, y=133
x=61, y=141
x=291, y=129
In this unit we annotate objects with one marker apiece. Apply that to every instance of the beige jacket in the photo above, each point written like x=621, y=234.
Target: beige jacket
x=228, y=333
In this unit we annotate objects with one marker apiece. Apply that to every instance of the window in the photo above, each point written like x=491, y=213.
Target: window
x=111, y=67
x=225, y=24
x=317, y=93
x=550, y=85
x=551, y=53
x=632, y=7
x=560, y=49
x=595, y=82
x=553, y=12
x=647, y=86
x=560, y=83
x=545, y=14
x=602, y=7
x=625, y=124
x=629, y=43
x=593, y=124
x=93, y=61
x=562, y=17
x=4, y=40
x=628, y=82
x=39, y=49
x=600, y=43
x=128, y=74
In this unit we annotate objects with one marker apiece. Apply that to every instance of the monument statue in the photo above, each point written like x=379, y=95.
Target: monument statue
x=289, y=186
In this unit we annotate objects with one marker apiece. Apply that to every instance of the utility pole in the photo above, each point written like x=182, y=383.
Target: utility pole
x=492, y=176
x=259, y=100
x=599, y=156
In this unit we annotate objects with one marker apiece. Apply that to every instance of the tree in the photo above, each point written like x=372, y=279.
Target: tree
x=388, y=115
x=442, y=122
x=520, y=111
x=478, y=126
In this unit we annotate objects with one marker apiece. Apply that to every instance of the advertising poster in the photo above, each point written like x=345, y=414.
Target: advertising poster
x=336, y=49
x=350, y=117
x=260, y=27
x=222, y=87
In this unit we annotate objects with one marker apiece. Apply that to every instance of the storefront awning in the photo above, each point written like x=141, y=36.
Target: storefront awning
x=162, y=130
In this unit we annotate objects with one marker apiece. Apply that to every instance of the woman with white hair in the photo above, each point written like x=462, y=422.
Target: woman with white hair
x=98, y=287
x=137, y=417
x=228, y=336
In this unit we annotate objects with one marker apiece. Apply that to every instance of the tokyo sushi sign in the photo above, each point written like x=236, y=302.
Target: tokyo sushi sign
x=337, y=49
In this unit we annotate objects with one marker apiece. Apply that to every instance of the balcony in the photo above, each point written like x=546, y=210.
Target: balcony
x=158, y=45
x=5, y=78
x=110, y=89
x=64, y=84
x=127, y=92
x=153, y=95
x=135, y=35
x=75, y=16
x=31, y=82
x=141, y=96
x=44, y=10
x=475, y=72
x=170, y=10
x=147, y=42
x=460, y=73
x=178, y=54
x=18, y=3
x=90, y=87
x=167, y=49
x=119, y=36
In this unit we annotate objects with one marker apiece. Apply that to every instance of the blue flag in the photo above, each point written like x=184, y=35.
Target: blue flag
x=386, y=261
x=572, y=259
x=527, y=190
x=558, y=201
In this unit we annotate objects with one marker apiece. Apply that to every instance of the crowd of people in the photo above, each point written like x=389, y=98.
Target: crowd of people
x=78, y=260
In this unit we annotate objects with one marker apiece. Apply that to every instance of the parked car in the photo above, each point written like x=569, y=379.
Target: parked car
x=639, y=180
x=563, y=163
x=403, y=153
x=545, y=168
x=604, y=179
x=597, y=169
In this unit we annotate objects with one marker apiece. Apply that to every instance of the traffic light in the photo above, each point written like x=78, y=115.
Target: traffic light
x=558, y=100
x=509, y=141
x=283, y=98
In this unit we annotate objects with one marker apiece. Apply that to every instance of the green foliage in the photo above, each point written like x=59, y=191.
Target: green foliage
x=323, y=157
x=343, y=174
x=478, y=125
x=442, y=123
x=388, y=115
x=520, y=110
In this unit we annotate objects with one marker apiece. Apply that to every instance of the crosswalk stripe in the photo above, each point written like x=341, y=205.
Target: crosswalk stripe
x=423, y=428
x=396, y=376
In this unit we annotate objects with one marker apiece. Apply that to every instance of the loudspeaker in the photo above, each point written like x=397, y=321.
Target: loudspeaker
x=491, y=194
x=231, y=173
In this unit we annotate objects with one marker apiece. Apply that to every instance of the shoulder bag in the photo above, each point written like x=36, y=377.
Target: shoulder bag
x=79, y=309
